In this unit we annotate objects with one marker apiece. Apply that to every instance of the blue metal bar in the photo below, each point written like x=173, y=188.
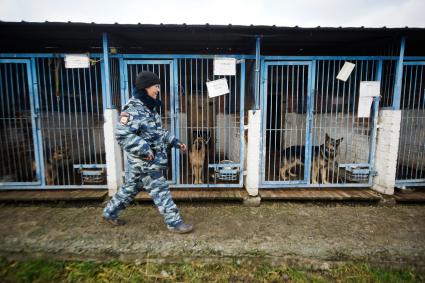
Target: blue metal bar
x=309, y=118
x=263, y=105
x=269, y=117
x=30, y=186
x=374, y=123
x=404, y=105
x=123, y=82
x=14, y=61
x=9, y=93
x=42, y=55
x=257, y=72
x=288, y=63
x=321, y=106
x=282, y=115
x=173, y=128
x=107, y=94
x=309, y=58
x=17, y=104
x=241, y=122
x=294, y=185
x=410, y=183
x=189, y=56
x=148, y=62
x=184, y=56
x=275, y=128
x=399, y=74
x=204, y=186
x=187, y=116
x=35, y=121
x=414, y=63
x=175, y=118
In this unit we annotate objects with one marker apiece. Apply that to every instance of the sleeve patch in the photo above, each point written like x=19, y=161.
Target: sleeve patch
x=125, y=118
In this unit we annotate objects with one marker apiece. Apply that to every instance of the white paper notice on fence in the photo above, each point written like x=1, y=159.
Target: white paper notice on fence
x=224, y=67
x=345, y=71
x=365, y=104
x=368, y=90
x=217, y=87
x=77, y=61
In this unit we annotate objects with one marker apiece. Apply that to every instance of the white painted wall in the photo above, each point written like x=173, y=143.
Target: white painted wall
x=386, y=150
x=113, y=152
x=252, y=178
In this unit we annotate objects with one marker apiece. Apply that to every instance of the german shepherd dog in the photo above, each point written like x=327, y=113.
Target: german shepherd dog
x=197, y=159
x=323, y=156
x=52, y=162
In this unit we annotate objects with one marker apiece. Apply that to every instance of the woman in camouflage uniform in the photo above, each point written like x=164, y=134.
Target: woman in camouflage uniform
x=140, y=134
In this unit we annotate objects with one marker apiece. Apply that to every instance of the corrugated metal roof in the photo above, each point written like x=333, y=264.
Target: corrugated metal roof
x=216, y=39
x=219, y=26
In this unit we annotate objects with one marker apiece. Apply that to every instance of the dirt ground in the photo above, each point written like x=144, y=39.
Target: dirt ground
x=277, y=232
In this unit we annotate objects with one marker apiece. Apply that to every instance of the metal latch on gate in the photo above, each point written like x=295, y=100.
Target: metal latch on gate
x=373, y=173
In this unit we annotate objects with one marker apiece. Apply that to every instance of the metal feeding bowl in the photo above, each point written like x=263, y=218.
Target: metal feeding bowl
x=227, y=172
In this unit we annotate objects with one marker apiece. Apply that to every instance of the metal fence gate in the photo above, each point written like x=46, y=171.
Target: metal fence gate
x=71, y=123
x=164, y=70
x=215, y=123
x=411, y=154
x=51, y=123
x=311, y=133
x=19, y=159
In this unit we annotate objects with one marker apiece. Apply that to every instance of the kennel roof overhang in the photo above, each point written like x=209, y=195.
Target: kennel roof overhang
x=54, y=37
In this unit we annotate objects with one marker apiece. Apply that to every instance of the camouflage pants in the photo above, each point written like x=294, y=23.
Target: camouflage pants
x=155, y=184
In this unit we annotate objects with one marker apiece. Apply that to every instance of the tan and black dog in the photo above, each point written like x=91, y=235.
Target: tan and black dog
x=197, y=159
x=53, y=161
x=323, y=156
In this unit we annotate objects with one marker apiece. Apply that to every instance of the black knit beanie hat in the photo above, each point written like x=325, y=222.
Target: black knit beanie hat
x=146, y=79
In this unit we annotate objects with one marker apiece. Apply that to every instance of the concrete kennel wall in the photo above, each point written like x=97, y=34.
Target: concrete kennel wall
x=387, y=150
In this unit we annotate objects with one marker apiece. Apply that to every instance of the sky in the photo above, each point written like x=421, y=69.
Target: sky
x=303, y=13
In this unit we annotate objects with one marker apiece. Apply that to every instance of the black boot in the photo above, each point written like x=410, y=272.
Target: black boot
x=114, y=221
x=181, y=228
